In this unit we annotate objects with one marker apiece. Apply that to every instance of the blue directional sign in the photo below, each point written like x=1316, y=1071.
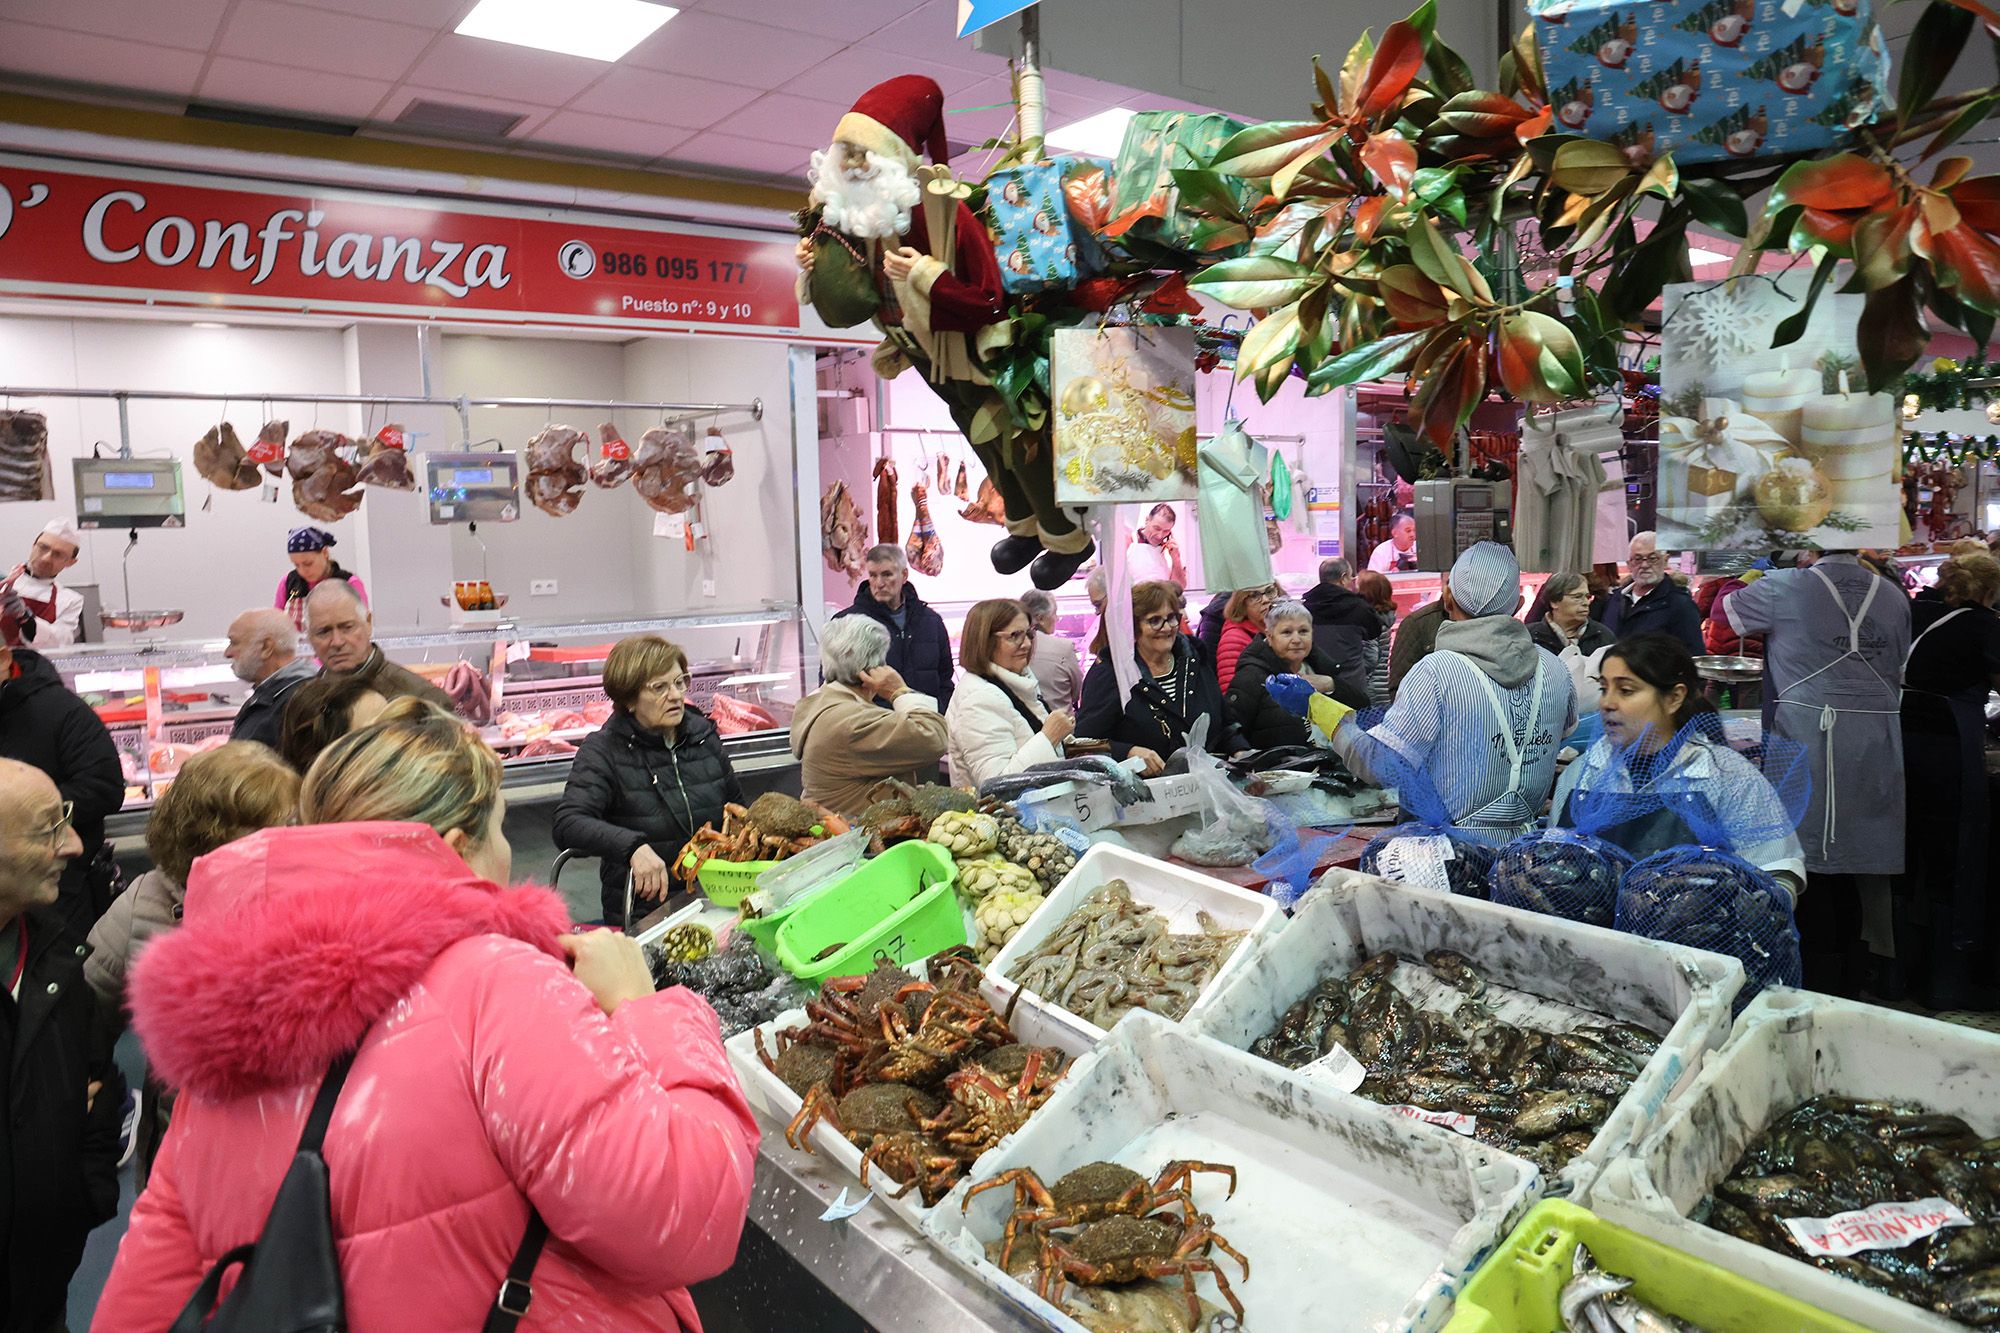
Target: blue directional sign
x=976, y=14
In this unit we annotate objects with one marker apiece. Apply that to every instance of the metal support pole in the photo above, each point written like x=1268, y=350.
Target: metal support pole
x=125, y=445
x=1033, y=101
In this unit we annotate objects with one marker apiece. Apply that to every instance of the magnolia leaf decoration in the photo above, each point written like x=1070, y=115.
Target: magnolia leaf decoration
x=1540, y=359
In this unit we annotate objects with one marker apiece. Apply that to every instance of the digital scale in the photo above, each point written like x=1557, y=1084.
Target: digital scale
x=129, y=493
x=1454, y=514
x=473, y=488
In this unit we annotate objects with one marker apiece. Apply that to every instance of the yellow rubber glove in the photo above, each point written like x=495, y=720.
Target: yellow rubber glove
x=1327, y=713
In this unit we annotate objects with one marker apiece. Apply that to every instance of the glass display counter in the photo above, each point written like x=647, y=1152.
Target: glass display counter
x=534, y=689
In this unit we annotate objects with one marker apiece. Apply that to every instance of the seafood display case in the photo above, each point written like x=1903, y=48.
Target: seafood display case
x=533, y=688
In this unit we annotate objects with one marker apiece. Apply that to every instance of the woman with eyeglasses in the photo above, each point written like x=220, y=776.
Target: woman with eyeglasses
x=1242, y=621
x=997, y=720
x=641, y=784
x=1175, y=689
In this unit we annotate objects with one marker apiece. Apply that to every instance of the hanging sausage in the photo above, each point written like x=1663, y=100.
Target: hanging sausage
x=885, y=501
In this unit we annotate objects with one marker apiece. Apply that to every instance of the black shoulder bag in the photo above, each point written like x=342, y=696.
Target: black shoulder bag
x=291, y=1272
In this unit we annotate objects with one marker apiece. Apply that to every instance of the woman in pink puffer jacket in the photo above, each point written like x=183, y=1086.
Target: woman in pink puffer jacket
x=489, y=1076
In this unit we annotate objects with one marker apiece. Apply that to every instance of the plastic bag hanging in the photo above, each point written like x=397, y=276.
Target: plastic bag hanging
x=1235, y=829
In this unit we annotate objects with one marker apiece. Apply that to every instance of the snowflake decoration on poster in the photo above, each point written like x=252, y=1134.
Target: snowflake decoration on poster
x=1724, y=322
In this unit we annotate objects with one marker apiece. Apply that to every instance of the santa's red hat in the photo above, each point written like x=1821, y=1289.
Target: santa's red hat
x=899, y=118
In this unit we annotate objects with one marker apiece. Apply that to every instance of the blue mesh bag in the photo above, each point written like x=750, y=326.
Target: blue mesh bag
x=1561, y=872
x=1427, y=851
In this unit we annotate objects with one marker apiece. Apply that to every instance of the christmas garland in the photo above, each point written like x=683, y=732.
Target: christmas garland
x=1949, y=447
x=1952, y=385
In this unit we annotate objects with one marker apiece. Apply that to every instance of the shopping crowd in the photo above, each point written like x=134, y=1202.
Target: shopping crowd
x=326, y=897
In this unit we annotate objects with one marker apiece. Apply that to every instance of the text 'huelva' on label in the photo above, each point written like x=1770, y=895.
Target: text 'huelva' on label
x=116, y=231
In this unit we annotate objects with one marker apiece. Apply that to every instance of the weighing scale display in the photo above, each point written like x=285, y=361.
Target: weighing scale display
x=129, y=493
x=473, y=488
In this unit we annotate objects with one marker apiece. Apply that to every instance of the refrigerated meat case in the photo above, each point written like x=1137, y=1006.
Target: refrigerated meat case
x=540, y=683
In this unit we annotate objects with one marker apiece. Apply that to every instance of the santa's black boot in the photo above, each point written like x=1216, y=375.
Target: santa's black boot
x=1012, y=554
x=1052, y=569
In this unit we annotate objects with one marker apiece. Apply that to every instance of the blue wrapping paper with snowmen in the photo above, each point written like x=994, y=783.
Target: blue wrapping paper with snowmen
x=1034, y=236
x=1709, y=80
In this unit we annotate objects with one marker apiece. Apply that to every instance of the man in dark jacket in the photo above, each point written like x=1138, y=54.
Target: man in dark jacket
x=263, y=652
x=1653, y=603
x=919, y=644
x=1415, y=638
x=1342, y=622
x=60, y=1092
x=45, y=726
x=342, y=632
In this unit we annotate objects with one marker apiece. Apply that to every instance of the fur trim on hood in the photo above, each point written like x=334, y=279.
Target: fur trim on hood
x=296, y=940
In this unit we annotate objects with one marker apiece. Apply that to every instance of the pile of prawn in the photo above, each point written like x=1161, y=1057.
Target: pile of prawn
x=1113, y=955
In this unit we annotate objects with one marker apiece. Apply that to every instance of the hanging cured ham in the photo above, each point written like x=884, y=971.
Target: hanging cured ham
x=987, y=506
x=556, y=475
x=843, y=535
x=959, y=488
x=325, y=485
x=222, y=461
x=925, y=551
x=667, y=468
x=886, y=530
x=387, y=462
x=613, y=467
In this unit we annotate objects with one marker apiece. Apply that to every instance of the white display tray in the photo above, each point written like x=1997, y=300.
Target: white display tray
x=768, y=1093
x=1790, y=1046
x=1176, y=892
x=1541, y=971
x=1352, y=1218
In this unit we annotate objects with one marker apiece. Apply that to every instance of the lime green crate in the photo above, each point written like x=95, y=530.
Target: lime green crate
x=902, y=904
x=727, y=883
x=1517, y=1290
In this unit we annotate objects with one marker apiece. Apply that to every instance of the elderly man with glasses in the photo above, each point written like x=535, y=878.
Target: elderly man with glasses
x=60, y=1095
x=641, y=784
x=44, y=725
x=1652, y=602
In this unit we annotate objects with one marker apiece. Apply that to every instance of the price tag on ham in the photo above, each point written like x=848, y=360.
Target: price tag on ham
x=1882, y=1226
x=1417, y=862
x=1451, y=1120
x=673, y=526
x=1337, y=1069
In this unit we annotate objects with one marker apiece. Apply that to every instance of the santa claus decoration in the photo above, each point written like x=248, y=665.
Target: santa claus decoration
x=889, y=240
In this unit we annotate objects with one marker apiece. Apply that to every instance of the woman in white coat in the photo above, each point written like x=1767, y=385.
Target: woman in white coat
x=997, y=722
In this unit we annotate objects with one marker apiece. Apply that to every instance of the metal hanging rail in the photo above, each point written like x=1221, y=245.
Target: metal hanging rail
x=462, y=405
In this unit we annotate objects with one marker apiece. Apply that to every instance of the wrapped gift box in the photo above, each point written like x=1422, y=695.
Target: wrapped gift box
x=1034, y=235
x=1714, y=80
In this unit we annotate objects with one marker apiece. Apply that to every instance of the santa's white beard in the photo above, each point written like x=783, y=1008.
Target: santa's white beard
x=873, y=203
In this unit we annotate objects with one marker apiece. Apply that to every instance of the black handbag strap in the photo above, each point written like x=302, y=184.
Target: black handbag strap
x=515, y=1292
x=322, y=1108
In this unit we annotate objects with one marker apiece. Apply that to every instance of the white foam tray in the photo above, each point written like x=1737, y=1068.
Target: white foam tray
x=1176, y=892
x=1339, y=1204
x=1790, y=1046
x=766, y=1092
x=1540, y=970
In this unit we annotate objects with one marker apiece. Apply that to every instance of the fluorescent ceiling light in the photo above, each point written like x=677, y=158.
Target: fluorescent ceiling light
x=1096, y=136
x=594, y=29
x=1699, y=255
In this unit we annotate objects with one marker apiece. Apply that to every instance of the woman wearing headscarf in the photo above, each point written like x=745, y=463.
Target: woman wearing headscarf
x=312, y=564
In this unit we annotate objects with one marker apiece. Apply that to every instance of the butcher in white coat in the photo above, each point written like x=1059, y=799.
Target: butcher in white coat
x=50, y=616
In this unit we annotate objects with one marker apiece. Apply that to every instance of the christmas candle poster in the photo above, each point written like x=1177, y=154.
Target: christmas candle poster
x=1124, y=419
x=1766, y=447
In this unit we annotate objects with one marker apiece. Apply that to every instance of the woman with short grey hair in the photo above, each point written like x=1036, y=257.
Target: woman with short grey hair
x=1284, y=647
x=865, y=724
x=1054, y=661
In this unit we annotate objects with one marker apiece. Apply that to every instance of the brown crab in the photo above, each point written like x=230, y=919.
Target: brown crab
x=770, y=828
x=861, y=1116
x=980, y=1110
x=1092, y=1192
x=1123, y=1248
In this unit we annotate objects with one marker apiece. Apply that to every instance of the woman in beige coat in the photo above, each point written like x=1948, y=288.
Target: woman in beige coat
x=218, y=796
x=845, y=739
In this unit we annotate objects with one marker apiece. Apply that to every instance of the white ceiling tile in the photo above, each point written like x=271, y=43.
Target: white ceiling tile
x=609, y=134
x=663, y=99
x=185, y=24
x=782, y=118
x=718, y=47
x=407, y=93
x=299, y=92
x=727, y=152
x=276, y=33
x=83, y=58
x=928, y=33
x=850, y=20
x=842, y=78
x=445, y=14
x=475, y=65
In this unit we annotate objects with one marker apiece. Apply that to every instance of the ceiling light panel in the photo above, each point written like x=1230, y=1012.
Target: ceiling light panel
x=593, y=29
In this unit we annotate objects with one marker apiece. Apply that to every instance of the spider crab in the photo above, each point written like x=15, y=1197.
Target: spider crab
x=980, y=1109
x=1091, y=1193
x=770, y=828
x=1123, y=1248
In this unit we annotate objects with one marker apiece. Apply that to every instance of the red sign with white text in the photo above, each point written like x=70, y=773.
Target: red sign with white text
x=168, y=240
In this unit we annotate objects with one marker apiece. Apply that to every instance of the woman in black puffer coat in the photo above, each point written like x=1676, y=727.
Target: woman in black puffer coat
x=647, y=779
x=1285, y=646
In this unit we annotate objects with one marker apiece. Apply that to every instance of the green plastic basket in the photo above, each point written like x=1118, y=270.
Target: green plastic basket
x=901, y=903
x=1517, y=1290
x=727, y=883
